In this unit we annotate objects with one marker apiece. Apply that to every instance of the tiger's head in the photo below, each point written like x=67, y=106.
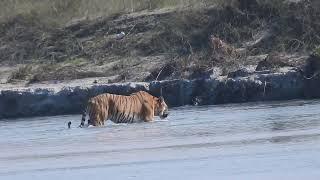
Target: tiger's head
x=161, y=108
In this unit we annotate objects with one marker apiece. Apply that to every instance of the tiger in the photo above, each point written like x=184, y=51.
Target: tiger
x=137, y=107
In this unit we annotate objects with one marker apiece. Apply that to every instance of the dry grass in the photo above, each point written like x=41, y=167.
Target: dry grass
x=181, y=35
x=22, y=73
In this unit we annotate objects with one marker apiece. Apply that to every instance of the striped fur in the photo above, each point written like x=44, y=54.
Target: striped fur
x=138, y=107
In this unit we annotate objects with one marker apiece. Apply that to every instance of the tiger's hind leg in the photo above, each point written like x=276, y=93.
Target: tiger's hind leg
x=98, y=113
x=94, y=115
x=105, y=114
x=98, y=118
x=101, y=118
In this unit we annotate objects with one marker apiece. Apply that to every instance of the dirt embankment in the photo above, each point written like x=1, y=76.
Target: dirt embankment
x=57, y=99
x=162, y=44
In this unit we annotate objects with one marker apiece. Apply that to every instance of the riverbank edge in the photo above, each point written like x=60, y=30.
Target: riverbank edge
x=285, y=84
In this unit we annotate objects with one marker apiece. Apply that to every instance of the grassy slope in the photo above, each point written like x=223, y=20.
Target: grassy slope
x=175, y=40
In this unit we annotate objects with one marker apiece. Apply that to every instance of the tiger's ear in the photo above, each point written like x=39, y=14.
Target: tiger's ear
x=160, y=99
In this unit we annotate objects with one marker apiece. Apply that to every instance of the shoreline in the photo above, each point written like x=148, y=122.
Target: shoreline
x=68, y=98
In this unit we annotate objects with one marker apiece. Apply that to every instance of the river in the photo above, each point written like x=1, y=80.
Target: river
x=274, y=140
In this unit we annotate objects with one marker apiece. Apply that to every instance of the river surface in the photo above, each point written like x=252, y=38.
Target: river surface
x=275, y=140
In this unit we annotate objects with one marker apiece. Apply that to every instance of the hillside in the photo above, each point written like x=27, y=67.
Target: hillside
x=168, y=42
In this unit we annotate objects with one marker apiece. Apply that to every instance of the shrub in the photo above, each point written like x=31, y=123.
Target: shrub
x=23, y=73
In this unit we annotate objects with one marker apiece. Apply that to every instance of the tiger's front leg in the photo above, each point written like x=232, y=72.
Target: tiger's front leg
x=149, y=118
x=148, y=115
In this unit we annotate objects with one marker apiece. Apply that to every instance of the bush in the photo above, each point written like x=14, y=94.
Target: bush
x=23, y=73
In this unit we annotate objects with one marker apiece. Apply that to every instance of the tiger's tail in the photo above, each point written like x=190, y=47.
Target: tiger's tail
x=83, y=119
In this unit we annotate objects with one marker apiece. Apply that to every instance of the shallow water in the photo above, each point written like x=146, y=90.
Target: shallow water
x=276, y=140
